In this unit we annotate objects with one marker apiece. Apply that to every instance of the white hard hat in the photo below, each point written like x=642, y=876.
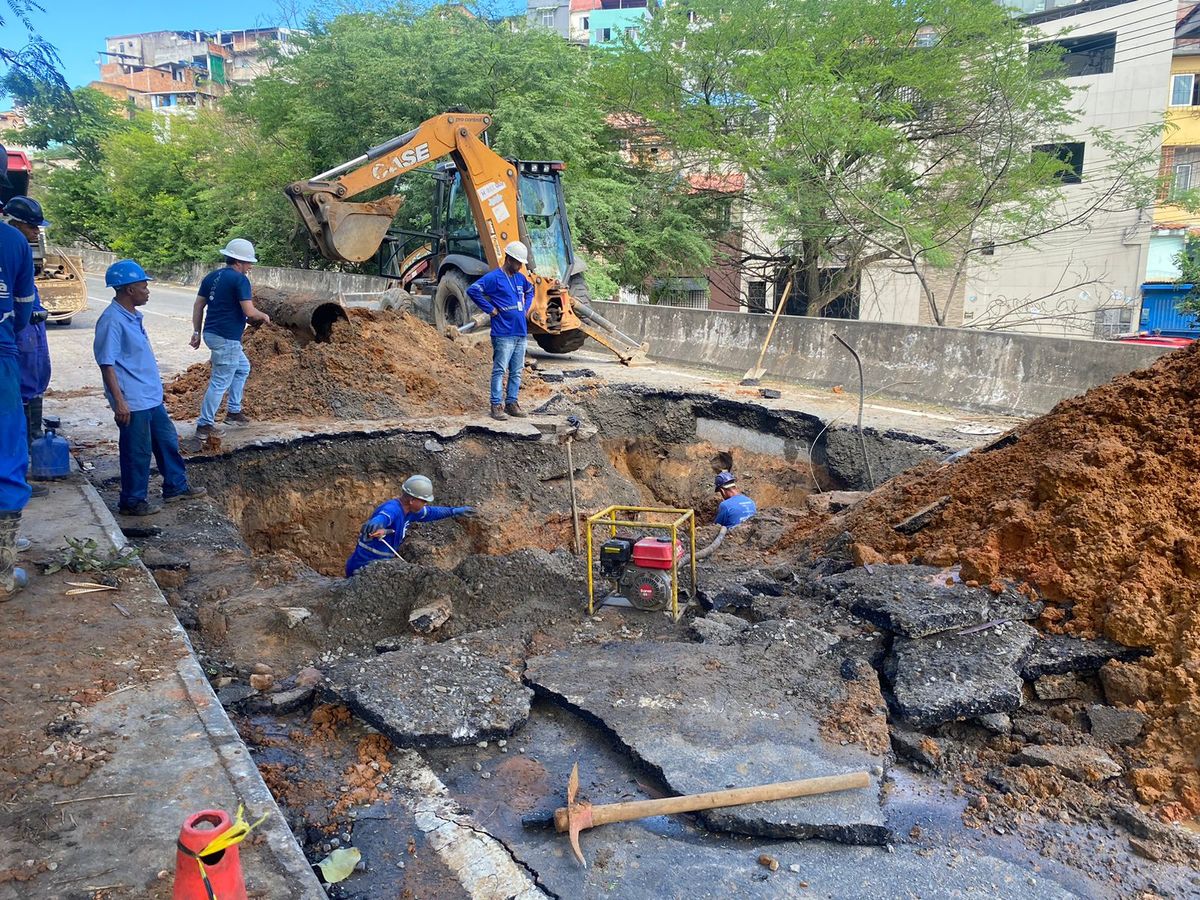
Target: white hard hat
x=420, y=487
x=241, y=250
x=517, y=251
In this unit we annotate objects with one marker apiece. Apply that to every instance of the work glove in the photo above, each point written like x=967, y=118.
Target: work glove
x=38, y=316
x=463, y=512
x=378, y=523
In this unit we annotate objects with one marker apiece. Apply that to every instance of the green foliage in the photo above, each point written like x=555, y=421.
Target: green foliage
x=1188, y=261
x=87, y=556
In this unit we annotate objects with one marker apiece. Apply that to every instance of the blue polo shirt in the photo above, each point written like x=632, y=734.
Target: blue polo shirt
x=510, y=296
x=121, y=342
x=736, y=510
x=223, y=291
x=16, y=287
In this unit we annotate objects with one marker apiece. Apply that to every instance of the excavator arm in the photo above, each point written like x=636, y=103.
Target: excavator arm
x=350, y=231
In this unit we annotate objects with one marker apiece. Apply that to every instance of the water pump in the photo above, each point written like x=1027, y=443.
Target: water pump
x=639, y=572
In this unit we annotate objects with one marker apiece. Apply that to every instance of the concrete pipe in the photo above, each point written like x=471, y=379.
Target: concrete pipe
x=309, y=317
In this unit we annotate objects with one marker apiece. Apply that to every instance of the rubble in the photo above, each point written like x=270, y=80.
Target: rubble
x=771, y=707
x=1057, y=654
x=1058, y=687
x=1111, y=725
x=951, y=676
x=428, y=619
x=434, y=695
x=916, y=601
x=718, y=628
x=1089, y=764
x=920, y=748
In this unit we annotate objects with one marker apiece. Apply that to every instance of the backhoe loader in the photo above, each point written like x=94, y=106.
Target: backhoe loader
x=507, y=200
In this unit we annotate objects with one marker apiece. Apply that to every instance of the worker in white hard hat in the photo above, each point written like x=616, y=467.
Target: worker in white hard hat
x=382, y=534
x=222, y=308
x=506, y=295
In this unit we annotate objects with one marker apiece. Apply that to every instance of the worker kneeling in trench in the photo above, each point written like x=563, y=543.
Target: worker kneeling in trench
x=734, y=509
x=392, y=517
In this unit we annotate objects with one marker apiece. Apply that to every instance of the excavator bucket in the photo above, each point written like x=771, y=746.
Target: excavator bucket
x=350, y=232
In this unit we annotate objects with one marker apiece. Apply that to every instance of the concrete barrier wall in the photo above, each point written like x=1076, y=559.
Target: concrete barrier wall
x=986, y=371
x=314, y=280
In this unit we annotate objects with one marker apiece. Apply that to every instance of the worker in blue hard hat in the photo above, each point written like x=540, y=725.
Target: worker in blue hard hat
x=25, y=215
x=735, y=507
x=133, y=386
x=16, y=306
x=382, y=534
x=219, y=316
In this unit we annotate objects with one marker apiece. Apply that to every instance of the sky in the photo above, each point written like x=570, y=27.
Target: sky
x=77, y=28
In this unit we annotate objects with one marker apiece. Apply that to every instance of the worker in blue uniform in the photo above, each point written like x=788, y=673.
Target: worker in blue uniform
x=506, y=296
x=383, y=533
x=735, y=507
x=16, y=306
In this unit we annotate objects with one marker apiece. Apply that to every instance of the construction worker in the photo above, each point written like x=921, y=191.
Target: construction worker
x=735, y=507
x=134, y=390
x=383, y=533
x=16, y=306
x=506, y=296
x=225, y=294
x=25, y=215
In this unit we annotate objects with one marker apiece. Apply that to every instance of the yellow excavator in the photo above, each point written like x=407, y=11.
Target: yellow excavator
x=484, y=201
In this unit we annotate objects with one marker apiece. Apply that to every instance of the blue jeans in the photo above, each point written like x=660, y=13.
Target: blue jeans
x=149, y=431
x=230, y=369
x=508, y=355
x=14, y=448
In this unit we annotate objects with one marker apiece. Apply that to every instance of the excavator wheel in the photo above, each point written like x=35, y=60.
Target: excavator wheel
x=451, y=306
x=564, y=342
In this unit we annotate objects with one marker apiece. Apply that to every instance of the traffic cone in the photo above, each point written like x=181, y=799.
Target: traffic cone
x=216, y=876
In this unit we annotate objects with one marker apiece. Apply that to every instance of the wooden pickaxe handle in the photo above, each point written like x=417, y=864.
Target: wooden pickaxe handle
x=783, y=790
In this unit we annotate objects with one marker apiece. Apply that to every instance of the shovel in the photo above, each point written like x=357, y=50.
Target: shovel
x=752, y=376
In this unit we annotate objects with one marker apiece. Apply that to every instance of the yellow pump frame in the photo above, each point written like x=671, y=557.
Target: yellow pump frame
x=680, y=518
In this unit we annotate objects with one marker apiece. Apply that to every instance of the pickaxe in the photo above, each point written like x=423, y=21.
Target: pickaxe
x=580, y=815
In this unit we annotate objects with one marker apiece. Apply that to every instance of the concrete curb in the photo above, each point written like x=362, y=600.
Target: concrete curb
x=233, y=752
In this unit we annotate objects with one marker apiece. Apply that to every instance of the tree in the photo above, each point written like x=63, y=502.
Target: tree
x=1188, y=261
x=871, y=132
x=36, y=61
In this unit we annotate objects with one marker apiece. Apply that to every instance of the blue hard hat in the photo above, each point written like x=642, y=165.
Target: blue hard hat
x=27, y=210
x=723, y=480
x=123, y=272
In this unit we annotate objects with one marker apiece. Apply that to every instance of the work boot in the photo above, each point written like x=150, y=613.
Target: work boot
x=498, y=412
x=237, y=418
x=203, y=431
x=191, y=493
x=12, y=577
x=514, y=410
x=141, y=508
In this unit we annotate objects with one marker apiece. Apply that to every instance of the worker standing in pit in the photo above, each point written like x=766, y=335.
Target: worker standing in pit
x=506, y=296
x=225, y=294
x=133, y=387
x=735, y=507
x=383, y=533
x=25, y=215
x=16, y=306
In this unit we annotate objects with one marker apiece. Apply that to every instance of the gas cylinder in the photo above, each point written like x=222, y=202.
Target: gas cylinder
x=51, y=454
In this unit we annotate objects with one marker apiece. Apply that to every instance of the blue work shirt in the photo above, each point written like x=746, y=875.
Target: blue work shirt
x=223, y=291
x=16, y=287
x=510, y=296
x=34, y=357
x=735, y=510
x=395, y=519
x=121, y=342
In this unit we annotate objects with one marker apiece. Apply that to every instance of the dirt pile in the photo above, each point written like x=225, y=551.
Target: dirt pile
x=376, y=365
x=1094, y=505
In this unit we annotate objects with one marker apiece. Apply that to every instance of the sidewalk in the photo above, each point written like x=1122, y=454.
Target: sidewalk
x=111, y=735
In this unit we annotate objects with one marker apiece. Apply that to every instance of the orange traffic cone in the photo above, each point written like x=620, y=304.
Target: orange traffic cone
x=204, y=873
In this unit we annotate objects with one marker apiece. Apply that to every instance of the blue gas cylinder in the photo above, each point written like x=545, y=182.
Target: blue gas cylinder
x=51, y=454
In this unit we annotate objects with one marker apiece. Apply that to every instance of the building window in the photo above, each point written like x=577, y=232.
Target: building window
x=691, y=17
x=1070, y=155
x=926, y=39
x=1091, y=55
x=988, y=249
x=584, y=24
x=605, y=35
x=632, y=33
x=1111, y=323
x=546, y=16
x=1183, y=90
x=1181, y=182
x=756, y=296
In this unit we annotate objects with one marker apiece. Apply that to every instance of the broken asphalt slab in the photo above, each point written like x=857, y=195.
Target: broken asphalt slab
x=916, y=601
x=954, y=676
x=708, y=717
x=1058, y=654
x=436, y=695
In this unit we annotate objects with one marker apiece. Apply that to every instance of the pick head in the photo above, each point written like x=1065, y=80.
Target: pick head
x=579, y=815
